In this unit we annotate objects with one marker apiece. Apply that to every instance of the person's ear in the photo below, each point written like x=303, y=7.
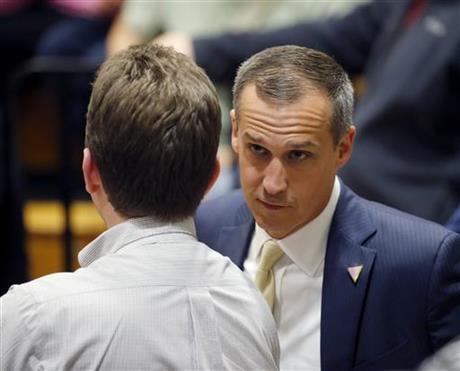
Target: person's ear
x=214, y=176
x=234, y=130
x=90, y=173
x=345, y=147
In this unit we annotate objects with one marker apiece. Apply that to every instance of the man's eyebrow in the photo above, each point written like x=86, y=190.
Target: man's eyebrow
x=294, y=144
x=301, y=144
x=253, y=137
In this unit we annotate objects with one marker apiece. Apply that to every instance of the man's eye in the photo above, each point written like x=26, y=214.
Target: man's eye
x=299, y=155
x=258, y=150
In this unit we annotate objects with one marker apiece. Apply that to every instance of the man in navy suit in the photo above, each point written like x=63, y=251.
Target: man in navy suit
x=358, y=285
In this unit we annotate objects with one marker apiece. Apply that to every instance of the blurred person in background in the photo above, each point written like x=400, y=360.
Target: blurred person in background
x=82, y=30
x=407, y=152
x=140, y=22
x=50, y=27
x=148, y=295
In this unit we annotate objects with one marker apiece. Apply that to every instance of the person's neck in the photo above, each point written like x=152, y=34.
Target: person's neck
x=113, y=219
x=108, y=214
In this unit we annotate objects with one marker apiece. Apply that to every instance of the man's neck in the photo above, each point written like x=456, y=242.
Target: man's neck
x=108, y=214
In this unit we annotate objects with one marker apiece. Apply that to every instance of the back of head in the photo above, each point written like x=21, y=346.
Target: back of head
x=153, y=126
x=284, y=74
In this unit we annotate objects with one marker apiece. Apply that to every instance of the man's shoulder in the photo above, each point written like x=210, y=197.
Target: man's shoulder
x=49, y=288
x=400, y=221
x=391, y=224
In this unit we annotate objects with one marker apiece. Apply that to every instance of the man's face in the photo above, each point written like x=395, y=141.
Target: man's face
x=287, y=158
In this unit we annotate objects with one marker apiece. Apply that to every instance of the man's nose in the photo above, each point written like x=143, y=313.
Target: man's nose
x=275, y=177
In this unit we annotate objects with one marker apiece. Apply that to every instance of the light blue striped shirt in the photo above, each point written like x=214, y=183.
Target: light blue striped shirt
x=149, y=296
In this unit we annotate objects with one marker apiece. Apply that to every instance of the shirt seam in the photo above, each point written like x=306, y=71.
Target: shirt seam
x=105, y=289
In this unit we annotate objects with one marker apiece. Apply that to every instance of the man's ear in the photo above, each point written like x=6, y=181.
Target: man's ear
x=90, y=173
x=214, y=176
x=345, y=147
x=234, y=130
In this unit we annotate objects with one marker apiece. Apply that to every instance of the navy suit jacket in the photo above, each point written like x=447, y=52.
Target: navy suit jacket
x=406, y=303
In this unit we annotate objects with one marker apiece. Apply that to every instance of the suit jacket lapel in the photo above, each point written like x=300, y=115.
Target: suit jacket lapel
x=234, y=240
x=342, y=299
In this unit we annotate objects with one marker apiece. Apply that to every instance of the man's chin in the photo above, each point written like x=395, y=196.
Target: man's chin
x=270, y=224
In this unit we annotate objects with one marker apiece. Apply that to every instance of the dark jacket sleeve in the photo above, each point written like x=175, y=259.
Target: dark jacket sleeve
x=348, y=39
x=444, y=294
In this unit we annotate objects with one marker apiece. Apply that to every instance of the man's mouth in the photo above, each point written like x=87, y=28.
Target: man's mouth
x=272, y=205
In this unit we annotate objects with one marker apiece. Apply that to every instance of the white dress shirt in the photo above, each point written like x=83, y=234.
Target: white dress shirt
x=148, y=297
x=445, y=359
x=298, y=287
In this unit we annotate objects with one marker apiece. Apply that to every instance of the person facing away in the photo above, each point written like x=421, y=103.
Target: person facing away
x=353, y=284
x=148, y=295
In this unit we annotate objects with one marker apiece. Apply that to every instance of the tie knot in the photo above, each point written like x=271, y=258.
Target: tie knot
x=271, y=252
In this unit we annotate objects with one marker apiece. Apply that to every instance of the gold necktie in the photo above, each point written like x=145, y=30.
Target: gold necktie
x=265, y=279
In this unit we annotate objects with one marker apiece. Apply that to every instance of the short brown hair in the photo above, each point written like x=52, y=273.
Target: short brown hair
x=153, y=127
x=286, y=73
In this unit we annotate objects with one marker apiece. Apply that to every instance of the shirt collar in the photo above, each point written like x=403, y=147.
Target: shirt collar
x=307, y=246
x=129, y=231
